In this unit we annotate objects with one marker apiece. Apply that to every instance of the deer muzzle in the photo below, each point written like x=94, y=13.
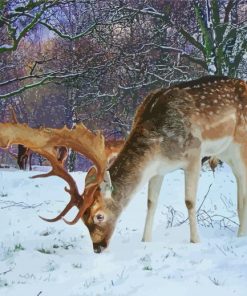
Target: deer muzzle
x=99, y=247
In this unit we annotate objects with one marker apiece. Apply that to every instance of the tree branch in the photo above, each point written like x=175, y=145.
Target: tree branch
x=12, y=31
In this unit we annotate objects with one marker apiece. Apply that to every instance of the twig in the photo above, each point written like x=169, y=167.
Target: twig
x=222, y=251
x=226, y=218
x=197, y=212
x=208, y=218
x=205, y=196
x=4, y=272
x=23, y=205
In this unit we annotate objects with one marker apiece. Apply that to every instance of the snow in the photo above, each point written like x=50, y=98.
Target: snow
x=38, y=258
x=211, y=67
x=6, y=46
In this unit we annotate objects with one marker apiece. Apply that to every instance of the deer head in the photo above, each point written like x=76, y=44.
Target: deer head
x=95, y=205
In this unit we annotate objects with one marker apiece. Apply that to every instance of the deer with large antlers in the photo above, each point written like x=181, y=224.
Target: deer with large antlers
x=173, y=128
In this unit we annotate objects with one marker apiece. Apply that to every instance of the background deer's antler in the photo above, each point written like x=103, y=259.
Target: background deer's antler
x=45, y=142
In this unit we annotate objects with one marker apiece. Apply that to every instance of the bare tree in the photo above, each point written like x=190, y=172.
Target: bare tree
x=217, y=43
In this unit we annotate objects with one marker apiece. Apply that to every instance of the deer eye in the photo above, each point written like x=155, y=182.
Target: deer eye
x=99, y=217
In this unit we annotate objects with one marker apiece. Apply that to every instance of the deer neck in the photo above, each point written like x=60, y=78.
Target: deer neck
x=129, y=171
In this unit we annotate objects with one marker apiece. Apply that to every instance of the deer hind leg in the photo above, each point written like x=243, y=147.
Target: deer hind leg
x=242, y=203
x=192, y=174
x=242, y=231
x=154, y=187
x=242, y=196
x=238, y=162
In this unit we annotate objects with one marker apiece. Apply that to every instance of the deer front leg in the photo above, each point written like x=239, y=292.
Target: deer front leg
x=154, y=187
x=192, y=174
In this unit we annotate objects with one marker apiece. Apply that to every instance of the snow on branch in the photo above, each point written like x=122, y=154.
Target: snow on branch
x=47, y=79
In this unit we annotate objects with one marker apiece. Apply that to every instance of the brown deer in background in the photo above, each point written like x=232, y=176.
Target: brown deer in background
x=22, y=156
x=174, y=128
x=23, y=153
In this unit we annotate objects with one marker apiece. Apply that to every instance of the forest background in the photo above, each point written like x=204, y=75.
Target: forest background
x=64, y=62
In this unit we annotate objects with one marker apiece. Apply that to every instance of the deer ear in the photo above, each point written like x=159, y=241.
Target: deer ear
x=111, y=159
x=107, y=177
x=91, y=176
x=106, y=185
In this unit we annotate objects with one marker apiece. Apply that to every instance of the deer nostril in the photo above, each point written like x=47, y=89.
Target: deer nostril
x=99, y=247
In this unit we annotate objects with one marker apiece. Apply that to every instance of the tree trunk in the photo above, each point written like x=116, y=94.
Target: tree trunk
x=71, y=122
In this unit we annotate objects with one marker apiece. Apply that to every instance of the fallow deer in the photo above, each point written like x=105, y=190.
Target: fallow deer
x=174, y=128
x=23, y=153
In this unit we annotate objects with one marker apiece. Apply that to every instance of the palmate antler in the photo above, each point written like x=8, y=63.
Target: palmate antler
x=45, y=142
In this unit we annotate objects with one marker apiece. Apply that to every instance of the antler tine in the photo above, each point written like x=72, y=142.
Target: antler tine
x=43, y=175
x=61, y=215
x=59, y=171
x=87, y=202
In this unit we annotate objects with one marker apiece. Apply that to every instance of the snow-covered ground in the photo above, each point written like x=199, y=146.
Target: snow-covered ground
x=42, y=259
